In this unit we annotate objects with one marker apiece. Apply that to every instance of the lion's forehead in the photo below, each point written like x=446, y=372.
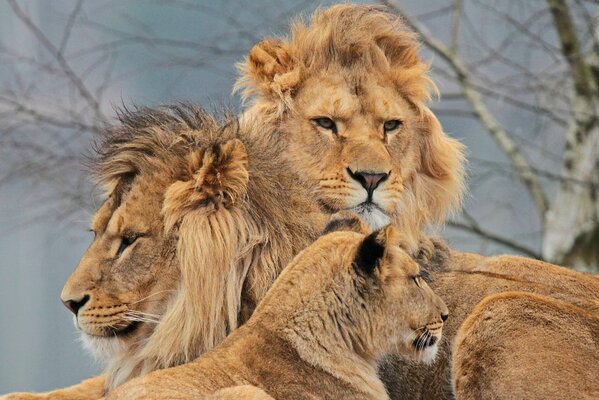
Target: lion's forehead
x=348, y=98
x=139, y=209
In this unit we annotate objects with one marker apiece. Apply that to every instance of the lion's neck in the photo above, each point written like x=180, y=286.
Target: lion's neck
x=325, y=347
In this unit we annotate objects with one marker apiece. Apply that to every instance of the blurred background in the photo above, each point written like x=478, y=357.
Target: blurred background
x=519, y=86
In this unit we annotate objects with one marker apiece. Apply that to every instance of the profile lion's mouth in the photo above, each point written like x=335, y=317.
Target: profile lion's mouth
x=424, y=340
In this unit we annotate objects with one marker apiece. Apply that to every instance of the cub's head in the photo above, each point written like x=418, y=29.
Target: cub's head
x=361, y=291
x=349, y=94
x=180, y=232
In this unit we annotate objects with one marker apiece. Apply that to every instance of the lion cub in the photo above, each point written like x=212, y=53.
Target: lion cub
x=343, y=303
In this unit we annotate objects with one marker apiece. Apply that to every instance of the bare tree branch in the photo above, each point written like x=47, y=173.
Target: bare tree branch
x=473, y=97
x=478, y=231
x=73, y=77
x=584, y=83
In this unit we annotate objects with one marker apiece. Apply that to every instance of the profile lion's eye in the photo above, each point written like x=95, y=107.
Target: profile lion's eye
x=326, y=123
x=391, y=125
x=126, y=241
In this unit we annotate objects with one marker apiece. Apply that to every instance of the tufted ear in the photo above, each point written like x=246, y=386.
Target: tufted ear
x=346, y=221
x=269, y=70
x=374, y=248
x=218, y=176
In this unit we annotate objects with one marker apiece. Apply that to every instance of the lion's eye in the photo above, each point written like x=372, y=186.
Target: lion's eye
x=326, y=123
x=391, y=125
x=126, y=241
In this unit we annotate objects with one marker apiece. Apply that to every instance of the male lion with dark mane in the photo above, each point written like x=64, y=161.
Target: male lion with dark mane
x=344, y=302
x=199, y=220
x=348, y=94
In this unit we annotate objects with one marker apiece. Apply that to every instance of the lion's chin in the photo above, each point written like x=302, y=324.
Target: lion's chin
x=428, y=355
x=372, y=215
x=102, y=348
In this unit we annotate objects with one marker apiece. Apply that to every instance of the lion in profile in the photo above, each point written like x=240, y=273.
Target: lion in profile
x=199, y=219
x=343, y=303
x=348, y=94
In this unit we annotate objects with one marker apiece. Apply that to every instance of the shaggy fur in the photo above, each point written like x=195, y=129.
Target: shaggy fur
x=199, y=220
x=517, y=345
x=463, y=280
x=359, y=67
x=344, y=302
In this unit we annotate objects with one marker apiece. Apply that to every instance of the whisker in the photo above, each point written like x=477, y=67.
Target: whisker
x=135, y=312
x=151, y=295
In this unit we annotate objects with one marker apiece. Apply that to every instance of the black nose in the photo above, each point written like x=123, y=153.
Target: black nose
x=444, y=317
x=75, y=305
x=369, y=180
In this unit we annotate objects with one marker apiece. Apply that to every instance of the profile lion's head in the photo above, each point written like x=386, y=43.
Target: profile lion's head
x=198, y=221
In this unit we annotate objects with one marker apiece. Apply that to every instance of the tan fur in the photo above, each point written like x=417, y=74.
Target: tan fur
x=246, y=392
x=518, y=345
x=463, y=280
x=89, y=389
x=358, y=66
x=319, y=331
x=217, y=214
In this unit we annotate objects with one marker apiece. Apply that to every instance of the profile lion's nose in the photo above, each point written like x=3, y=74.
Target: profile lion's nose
x=369, y=180
x=444, y=317
x=74, y=305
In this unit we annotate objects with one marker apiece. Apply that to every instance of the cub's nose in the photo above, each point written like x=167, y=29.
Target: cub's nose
x=74, y=305
x=444, y=317
x=369, y=180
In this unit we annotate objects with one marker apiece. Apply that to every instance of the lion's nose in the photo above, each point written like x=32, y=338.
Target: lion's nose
x=369, y=180
x=444, y=317
x=74, y=305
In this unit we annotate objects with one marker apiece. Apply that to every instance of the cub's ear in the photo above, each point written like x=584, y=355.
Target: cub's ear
x=269, y=69
x=374, y=249
x=217, y=176
x=346, y=221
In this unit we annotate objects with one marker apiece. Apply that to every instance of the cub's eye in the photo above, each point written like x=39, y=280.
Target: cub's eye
x=326, y=123
x=391, y=125
x=126, y=241
x=417, y=281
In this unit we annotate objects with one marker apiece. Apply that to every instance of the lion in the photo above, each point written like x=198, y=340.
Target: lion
x=200, y=218
x=343, y=303
x=348, y=95
x=518, y=345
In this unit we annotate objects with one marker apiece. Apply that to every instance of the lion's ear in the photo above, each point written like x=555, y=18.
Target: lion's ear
x=269, y=69
x=218, y=177
x=374, y=249
x=346, y=221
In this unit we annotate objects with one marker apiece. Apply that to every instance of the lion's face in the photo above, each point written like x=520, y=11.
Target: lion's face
x=364, y=284
x=349, y=95
x=416, y=313
x=119, y=290
x=358, y=142
x=406, y=316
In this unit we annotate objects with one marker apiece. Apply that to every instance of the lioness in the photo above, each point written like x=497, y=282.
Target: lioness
x=348, y=94
x=199, y=220
x=518, y=345
x=342, y=303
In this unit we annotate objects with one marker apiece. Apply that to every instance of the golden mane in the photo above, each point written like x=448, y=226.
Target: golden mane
x=358, y=42
x=359, y=37
x=235, y=211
